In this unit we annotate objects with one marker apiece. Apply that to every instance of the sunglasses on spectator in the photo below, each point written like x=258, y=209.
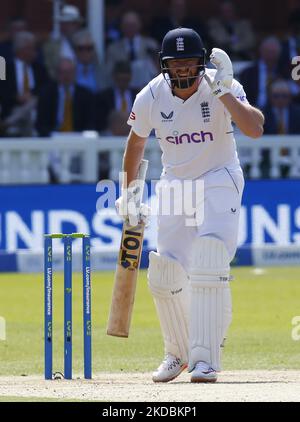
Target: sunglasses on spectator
x=89, y=47
x=280, y=95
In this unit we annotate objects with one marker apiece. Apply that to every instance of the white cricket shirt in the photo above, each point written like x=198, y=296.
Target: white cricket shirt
x=196, y=135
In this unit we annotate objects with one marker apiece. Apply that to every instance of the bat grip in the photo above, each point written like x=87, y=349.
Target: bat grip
x=141, y=176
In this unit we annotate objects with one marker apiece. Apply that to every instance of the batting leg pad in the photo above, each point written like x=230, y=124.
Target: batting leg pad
x=168, y=283
x=211, y=308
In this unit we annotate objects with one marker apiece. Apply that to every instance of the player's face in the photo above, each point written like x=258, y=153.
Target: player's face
x=184, y=70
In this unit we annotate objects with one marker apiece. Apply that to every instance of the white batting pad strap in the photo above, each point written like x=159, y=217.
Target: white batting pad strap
x=168, y=283
x=210, y=301
x=208, y=281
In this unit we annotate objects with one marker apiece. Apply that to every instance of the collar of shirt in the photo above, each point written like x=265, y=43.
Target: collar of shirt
x=19, y=66
x=262, y=68
x=61, y=90
x=118, y=99
x=136, y=43
x=66, y=50
x=82, y=67
x=86, y=78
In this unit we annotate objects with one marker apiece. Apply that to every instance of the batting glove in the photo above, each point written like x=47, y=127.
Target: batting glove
x=221, y=84
x=128, y=209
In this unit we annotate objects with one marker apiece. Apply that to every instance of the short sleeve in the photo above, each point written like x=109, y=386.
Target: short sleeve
x=238, y=91
x=139, y=118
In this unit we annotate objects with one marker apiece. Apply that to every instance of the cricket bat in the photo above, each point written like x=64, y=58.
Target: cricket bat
x=127, y=271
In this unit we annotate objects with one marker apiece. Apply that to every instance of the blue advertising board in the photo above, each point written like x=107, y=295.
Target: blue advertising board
x=270, y=215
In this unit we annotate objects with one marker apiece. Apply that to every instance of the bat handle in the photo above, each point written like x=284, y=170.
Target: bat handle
x=142, y=169
x=141, y=176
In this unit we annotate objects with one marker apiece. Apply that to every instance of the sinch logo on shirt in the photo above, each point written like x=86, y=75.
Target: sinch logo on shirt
x=195, y=137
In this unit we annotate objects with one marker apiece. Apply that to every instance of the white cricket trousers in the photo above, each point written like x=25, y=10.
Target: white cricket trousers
x=221, y=204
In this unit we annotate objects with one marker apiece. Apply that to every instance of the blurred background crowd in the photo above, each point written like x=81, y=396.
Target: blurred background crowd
x=57, y=83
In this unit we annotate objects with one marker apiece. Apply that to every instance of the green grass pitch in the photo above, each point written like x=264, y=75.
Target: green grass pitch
x=259, y=337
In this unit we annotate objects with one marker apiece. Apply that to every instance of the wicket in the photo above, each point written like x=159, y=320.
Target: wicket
x=48, y=285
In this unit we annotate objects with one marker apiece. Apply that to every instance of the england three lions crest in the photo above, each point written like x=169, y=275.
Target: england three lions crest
x=205, y=111
x=180, y=44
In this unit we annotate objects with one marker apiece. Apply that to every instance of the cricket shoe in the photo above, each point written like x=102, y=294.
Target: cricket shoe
x=169, y=369
x=203, y=373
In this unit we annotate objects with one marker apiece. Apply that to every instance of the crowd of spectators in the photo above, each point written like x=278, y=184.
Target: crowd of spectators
x=60, y=85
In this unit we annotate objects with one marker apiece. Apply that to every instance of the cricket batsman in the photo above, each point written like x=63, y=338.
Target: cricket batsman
x=191, y=108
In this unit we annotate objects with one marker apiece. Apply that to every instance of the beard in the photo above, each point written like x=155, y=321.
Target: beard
x=184, y=83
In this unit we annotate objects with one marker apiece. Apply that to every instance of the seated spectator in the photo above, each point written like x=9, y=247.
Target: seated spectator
x=24, y=80
x=65, y=106
x=70, y=22
x=112, y=21
x=89, y=73
x=116, y=126
x=135, y=48
x=281, y=118
x=291, y=45
x=120, y=97
x=16, y=24
x=177, y=15
x=231, y=33
x=258, y=78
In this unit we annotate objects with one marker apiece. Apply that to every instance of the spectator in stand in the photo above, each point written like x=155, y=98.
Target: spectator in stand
x=89, y=72
x=136, y=48
x=258, y=78
x=24, y=80
x=116, y=126
x=112, y=21
x=120, y=97
x=65, y=106
x=231, y=33
x=177, y=15
x=70, y=22
x=281, y=118
x=291, y=46
x=15, y=25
